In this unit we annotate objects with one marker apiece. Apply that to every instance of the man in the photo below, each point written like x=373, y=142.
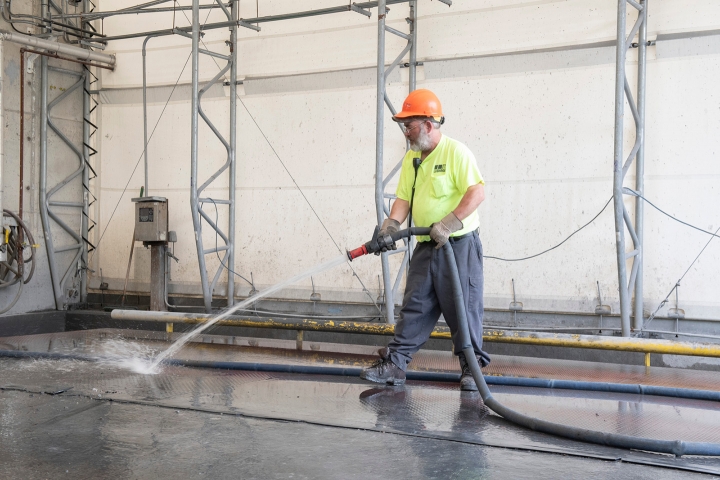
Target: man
x=440, y=187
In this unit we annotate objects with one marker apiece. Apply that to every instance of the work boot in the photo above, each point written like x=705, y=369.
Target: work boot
x=384, y=370
x=467, y=382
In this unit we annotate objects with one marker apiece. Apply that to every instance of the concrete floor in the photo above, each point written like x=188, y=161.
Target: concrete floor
x=46, y=436
x=100, y=420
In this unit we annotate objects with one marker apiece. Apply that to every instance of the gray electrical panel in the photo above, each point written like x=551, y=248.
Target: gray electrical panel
x=151, y=219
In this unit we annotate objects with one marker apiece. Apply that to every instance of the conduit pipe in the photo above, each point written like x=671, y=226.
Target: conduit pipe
x=416, y=375
x=76, y=52
x=624, y=344
x=2, y=118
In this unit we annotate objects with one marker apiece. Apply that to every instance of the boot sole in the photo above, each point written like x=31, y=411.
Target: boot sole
x=468, y=387
x=389, y=381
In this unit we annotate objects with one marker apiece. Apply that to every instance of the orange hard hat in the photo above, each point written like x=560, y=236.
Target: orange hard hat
x=421, y=103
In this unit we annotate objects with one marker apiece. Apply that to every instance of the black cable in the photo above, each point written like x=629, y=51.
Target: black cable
x=677, y=284
x=637, y=194
x=556, y=246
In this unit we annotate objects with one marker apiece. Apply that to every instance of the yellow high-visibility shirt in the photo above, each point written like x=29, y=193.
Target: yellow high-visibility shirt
x=442, y=180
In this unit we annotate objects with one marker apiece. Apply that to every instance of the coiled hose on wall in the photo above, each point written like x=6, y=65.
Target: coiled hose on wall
x=12, y=270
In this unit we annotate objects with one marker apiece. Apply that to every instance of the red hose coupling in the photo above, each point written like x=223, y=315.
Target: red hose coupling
x=358, y=252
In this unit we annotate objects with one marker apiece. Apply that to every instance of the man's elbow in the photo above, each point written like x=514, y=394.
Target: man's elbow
x=479, y=194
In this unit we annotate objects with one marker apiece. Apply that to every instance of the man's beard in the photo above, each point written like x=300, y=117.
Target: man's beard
x=422, y=143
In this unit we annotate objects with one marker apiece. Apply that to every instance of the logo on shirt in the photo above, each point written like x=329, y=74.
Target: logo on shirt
x=439, y=168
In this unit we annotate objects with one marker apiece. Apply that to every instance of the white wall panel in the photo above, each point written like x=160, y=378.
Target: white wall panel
x=540, y=127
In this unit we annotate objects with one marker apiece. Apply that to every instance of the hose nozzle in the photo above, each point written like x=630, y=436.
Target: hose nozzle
x=376, y=244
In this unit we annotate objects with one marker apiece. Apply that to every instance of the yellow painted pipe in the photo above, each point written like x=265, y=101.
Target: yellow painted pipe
x=624, y=344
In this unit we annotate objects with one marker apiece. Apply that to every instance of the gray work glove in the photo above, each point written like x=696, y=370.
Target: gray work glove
x=440, y=231
x=389, y=227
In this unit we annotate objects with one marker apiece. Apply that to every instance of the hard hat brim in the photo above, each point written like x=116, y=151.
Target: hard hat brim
x=405, y=115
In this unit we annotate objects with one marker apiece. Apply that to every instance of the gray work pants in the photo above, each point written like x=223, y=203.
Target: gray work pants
x=428, y=293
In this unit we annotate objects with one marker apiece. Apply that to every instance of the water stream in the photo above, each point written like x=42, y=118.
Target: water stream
x=152, y=367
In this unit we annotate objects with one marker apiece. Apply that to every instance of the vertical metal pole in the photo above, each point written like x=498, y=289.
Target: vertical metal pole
x=43, y=182
x=194, y=204
x=145, y=122
x=233, y=149
x=86, y=187
x=158, y=265
x=413, y=45
x=617, y=169
x=2, y=120
x=86, y=172
x=22, y=134
x=640, y=167
x=379, y=174
x=412, y=85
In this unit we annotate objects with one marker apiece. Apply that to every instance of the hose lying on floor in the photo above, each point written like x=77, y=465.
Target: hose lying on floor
x=677, y=447
x=416, y=375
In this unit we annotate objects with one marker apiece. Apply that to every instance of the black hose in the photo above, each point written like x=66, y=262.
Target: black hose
x=14, y=256
x=417, y=375
x=676, y=447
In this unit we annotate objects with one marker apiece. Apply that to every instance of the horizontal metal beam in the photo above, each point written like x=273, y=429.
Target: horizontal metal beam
x=247, y=22
x=625, y=344
x=79, y=53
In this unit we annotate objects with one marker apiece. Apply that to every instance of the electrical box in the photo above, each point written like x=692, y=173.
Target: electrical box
x=151, y=219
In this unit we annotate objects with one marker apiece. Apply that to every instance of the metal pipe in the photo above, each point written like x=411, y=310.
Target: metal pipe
x=2, y=143
x=638, y=316
x=617, y=169
x=596, y=342
x=84, y=228
x=79, y=53
x=86, y=186
x=197, y=222
x=234, y=12
x=270, y=18
x=22, y=137
x=417, y=375
x=158, y=265
x=145, y=122
x=412, y=85
x=412, y=67
x=310, y=13
x=379, y=139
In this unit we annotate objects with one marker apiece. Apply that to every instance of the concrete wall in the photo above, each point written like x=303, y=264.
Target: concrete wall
x=528, y=86
x=38, y=293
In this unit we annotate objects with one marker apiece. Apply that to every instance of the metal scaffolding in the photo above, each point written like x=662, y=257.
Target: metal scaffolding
x=623, y=91
x=67, y=262
x=196, y=201
x=390, y=286
x=629, y=284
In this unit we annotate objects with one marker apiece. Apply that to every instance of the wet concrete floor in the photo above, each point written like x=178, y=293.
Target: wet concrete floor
x=101, y=420
x=46, y=436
